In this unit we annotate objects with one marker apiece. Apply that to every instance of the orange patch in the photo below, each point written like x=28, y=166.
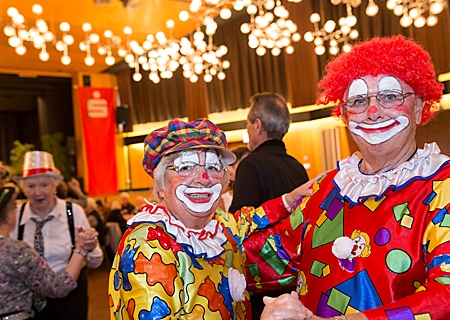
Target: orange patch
x=157, y=271
x=130, y=308
x=215, y=299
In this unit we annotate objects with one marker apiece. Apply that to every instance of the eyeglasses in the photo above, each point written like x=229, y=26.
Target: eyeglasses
x=187, y=169
x=388, y=99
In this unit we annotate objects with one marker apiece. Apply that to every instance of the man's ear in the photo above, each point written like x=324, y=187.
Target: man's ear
x=419, y=105
x=258, y=125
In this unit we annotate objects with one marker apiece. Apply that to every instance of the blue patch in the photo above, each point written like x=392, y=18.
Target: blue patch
x=127, y=265
x=160, y=309
x=224, y=289
x=437, y=261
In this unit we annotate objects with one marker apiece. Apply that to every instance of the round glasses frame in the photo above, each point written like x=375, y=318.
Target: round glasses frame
x=388, y=99
x=189, y=169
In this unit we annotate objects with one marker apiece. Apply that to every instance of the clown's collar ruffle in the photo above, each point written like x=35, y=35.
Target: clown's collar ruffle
x=207, y=242
x=355, y=185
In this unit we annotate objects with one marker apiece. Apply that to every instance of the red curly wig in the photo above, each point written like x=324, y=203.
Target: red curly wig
x=395, y=56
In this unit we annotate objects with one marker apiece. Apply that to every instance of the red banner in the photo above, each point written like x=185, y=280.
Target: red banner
x=99, y=121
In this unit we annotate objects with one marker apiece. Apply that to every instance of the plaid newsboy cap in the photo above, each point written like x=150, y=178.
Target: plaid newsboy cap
x=179, y=135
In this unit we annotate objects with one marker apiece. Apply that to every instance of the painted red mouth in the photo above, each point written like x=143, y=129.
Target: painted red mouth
x=372, y=129
x=199, y=197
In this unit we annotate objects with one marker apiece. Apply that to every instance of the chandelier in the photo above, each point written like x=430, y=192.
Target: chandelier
x=269, y=30
x=417, y=12
x=335, y=36
x=39, y=35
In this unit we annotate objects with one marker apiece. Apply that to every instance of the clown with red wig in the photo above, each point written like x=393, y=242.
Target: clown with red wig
x=373, y=241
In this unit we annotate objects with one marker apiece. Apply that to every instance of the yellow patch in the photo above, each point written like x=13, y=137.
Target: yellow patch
x=442, y=198
x=372, y=205
x=407, y=221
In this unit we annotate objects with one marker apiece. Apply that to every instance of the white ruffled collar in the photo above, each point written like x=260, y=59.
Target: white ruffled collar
x=207, y=242
x=355, y=185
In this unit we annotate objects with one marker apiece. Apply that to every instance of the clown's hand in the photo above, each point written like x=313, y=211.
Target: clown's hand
x=286, y=306
x=304, y=190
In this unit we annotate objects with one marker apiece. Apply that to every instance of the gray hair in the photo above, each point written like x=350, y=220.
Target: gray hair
x=272, y=110
x=159, y=172
x=55, y=181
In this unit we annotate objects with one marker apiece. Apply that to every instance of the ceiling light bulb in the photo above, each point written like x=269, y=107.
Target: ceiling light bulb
x=372, y=9
x=207, y=77
x=89, y=61
x=110, y=60
x=260, y=51
x=289, y=49
x=127, y=30
x=398, y=10
x=319, y=50
x=37, y=9
x=275, y=51
x=44, y=56
x=137, y=76
x=347, y=47
x=11, y=12
x=14, y=41
x=225, y=13
x=66, y=60
x=60, y=46
x=9, y=31
x=170, y=24
x=315, y=17
x=414, y=13
x=86, y=27
x=18, y=19
x=390, y=4
x=193, y=78
x=238, y=5
x=419, y=22
x=108, y=34
x=64, y=27
x=436, y=7
x=351, y=21
x=183, y=15
x=432, y=21
x=329, y=26
x=68, y=39
x=333, y=50
x=252, y=9
x=21, y=50
x=221, y=75
x=269, y=5
x=405, y=21
x=226, y=64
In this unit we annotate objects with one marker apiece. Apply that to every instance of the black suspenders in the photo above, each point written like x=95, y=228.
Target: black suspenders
x=69, y=221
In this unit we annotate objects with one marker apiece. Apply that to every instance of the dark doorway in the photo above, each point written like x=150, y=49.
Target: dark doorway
x=31, y=107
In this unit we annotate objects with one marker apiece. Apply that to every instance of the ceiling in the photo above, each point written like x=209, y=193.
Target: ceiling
x=148, y=17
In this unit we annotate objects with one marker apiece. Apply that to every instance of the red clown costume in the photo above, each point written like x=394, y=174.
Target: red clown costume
x=373, y=243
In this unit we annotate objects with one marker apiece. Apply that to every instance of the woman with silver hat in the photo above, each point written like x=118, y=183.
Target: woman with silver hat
x=49, y=225
x=23, y=271
x=181, y=257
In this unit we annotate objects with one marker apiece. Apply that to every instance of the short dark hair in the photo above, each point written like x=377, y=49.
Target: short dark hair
x=272, y=110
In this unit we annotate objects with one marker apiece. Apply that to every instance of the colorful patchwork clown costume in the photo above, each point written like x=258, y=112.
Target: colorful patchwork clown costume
x=378, y=243
x=165, y=268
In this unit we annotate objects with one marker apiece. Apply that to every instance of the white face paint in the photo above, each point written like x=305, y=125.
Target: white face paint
x=389, y=83
x=199, y=199
x=187, y=156
x=357, y=88
x=379, y=132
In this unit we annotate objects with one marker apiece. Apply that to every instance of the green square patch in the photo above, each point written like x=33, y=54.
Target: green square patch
x=400, y=210
x=338, y=300
x=316, y=268
x=446, y=221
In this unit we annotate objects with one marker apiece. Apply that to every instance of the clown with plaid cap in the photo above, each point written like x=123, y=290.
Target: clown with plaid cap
x=181, y=257
x=373, y=241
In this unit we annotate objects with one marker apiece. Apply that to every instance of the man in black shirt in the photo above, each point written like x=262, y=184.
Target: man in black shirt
x=268, y=172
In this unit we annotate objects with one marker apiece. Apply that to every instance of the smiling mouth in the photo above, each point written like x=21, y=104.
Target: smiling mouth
x=199, y=197
x=378, y=127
